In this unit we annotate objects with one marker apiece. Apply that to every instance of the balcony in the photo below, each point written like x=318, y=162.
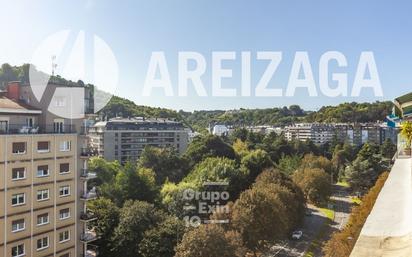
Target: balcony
x=87, y=216
x=90, y=195
x=86, y=175
x=13, y=129
x=88, y=236
x=88, y=152
x=388, y=228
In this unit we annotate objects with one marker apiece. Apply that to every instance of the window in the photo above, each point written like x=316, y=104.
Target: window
x=42, y=243
x=19, y=148
x=42, y=219
x=64, y=213
x=18, y=199
x=43, y=195
x=65, y=146
x=43, y=171
x=64, y=168
x=64, y=191
x=17, y=251
x=17, y=225
x=43, y=146
x=60, y=101
x=64, y=236
x=18, y=173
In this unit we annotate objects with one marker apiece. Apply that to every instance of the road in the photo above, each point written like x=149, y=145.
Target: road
x=342, y=207
x=312, y=225
x=294, y=248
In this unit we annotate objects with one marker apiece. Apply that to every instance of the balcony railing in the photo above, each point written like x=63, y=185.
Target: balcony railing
x=89, y=195
x=12, y=129
x=87, y=216
x=88, y=236
x=85, y=174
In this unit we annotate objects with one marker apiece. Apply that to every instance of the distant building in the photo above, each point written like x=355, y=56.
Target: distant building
x=356, y=134
x=220, y=130
x=124, y=139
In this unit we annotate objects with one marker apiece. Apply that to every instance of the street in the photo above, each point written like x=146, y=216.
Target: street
x=313, y=224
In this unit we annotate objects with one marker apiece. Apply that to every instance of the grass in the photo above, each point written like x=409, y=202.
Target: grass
x=355, y=200
x=330, y=214
x=343, y=184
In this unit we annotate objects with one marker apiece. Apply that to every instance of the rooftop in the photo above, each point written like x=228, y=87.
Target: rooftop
x=10, y=106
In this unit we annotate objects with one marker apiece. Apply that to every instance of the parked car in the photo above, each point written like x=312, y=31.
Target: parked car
x=296, y=235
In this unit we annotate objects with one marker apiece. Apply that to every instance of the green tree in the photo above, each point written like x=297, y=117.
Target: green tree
x=210, y=241
x=162, y=239
x=107, y=214
x=208, y=146
x=165, y=162
x=172, y=196
x=136, y=184
x=255, y=162
x=136, y=217
x=364, y=171
x=218, y=169
x=289, y=163
x=387, y=149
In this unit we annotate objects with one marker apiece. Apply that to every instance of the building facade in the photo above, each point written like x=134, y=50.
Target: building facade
x=124, y=139
x=42, y=179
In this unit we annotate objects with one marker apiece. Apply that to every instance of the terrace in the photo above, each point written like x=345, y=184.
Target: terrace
x=388, y=228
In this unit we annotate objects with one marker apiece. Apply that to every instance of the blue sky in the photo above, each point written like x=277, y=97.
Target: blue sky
x=135, y=29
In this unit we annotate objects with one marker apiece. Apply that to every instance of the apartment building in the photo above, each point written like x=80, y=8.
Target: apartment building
x=356, y=134
x=124, y=139
x=318, y=133
x=43, y=179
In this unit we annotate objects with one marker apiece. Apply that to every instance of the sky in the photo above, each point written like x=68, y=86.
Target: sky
x=133, y=30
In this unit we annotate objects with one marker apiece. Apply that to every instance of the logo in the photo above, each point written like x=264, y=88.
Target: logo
x=61, y=61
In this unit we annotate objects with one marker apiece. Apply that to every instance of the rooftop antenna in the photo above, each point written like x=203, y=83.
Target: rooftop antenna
x=54, y=64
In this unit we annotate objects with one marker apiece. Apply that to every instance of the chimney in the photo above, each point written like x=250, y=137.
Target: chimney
x=13, y=90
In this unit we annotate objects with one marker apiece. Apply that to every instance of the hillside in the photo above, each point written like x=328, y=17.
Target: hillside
x=199, y=120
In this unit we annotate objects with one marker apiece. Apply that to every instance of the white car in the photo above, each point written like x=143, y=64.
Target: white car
x=297, y=234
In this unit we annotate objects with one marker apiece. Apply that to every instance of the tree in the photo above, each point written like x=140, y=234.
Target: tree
x=218, y=169
x=162, y=239
x=172, y=196
x=406, y=132
x=210, y=241
x=135, y=184
x=289, y=163
x=387, y=149
x=165, y=162
x=315, y=184
x=260, y=217
x=136, y=217
x=240, y=147
x=290, y=194
x=366, y=168
x=107, y=214
x=106, y=171
x=208, y=146
x=255, y=162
